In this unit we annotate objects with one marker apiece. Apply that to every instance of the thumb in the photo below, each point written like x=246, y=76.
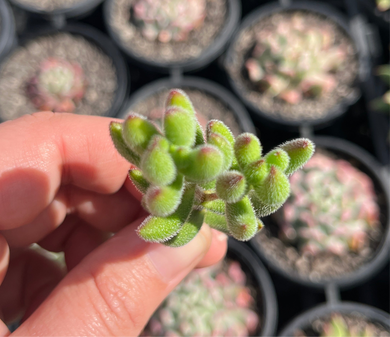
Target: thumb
x=116, y=288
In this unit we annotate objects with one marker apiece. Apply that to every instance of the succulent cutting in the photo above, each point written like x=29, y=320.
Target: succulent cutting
x=169, y=20
x=188, y=178
x=294, y=60
x=332, y=207
x=211, y=302
x=58, y=86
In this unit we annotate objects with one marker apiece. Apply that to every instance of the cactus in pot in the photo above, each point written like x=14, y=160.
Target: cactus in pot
x=332, y=207
x=188, y=179
x=212, y=301
x=295, y=60
x=58, y=86
x=169, y=20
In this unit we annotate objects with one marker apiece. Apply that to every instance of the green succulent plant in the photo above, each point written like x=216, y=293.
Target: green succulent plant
x=166, y=20
x=187, y=178
x=337, y=327
x=213, y=301
x=332, y=207
x=294, y=60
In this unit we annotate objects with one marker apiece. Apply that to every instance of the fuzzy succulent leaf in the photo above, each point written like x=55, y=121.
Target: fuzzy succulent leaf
x=158, y=229
x=247, y=149
x=204, y=163
x=209, y=185
x=300, y=151
x=164, y=200
x=216, y=206
x=188, y=231
x=262, y=209
x=256, y=172
x=279, y=158
x=199, y=136
x=137, y=132
x=180, y=126
x=178, y=98
x=216, y=221
x=241, y=219
x=224, y=146
x=157, y=164
x=275, y=189
x=139, y=181
x=231, y=186
x=119, y=143
x=218, y=127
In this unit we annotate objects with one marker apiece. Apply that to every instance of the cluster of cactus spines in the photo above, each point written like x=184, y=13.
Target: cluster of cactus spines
x=169, y=20
x=332, y=207
x=383, y=5
x=188, y=178
x=210, y=302
x=295, y=60
x=337, y=327
x=58, y=86
x=383, y=103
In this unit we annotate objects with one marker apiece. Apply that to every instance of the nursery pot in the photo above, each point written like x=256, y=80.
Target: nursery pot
x=266, y=298
x=241, y=89
x=7, y=26
x=304, y=320
x=105, y=45
x=367, y=164
x=221, y=94
x=59, y=16
x=207, y=56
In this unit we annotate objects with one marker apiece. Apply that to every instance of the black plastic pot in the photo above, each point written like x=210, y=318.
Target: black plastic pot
x=304, y=320
x=201, y=84
x=367, y=164
x=105, y=45
x=206, y=57
x=266, y=298
x=58, y=17
x=310, y=6
x=7, y=24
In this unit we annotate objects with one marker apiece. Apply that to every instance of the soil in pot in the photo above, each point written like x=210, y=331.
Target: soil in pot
x=129, y=31
x=49, y=5
x=207, y=107
x=214, y=301
x=332, y=223
x=336, y=324
x=22, y=75
x=294, y=65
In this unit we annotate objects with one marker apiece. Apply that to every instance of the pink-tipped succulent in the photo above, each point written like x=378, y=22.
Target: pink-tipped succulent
x=332, y=207
x=169, y=20
x=210, y=302
x=294, y=60
x=188, y=179
x=58, y=86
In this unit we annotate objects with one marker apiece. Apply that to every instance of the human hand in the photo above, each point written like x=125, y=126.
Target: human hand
x=63, y=186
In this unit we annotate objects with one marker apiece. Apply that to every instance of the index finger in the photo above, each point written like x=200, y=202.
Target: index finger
x=43, y=151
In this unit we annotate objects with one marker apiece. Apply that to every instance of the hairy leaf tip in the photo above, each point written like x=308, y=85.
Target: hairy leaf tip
x=247, y=149
x=180, y=126
x=300, y=151
x=231, y=186
x=179, y=98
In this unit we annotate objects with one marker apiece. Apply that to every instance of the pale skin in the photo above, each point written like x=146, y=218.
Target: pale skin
x=64, y=186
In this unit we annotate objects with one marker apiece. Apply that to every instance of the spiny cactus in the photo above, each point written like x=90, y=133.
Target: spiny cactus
x=210, y=302
x=383, y=103
x=166, y=20
x=337, y=327
x=295, y=60
x=331, y=208
x=187, y=179
x=383, y=5
x=58, y=86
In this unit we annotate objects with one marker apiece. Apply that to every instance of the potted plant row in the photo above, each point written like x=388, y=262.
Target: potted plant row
x=75, y=69
x=295, y=65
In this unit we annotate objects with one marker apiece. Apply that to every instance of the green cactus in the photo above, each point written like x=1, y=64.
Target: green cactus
x=331, y=208
x=169, y=20
x=213, y=301
x=58, y=86
x=295, y=60
x=187, y=181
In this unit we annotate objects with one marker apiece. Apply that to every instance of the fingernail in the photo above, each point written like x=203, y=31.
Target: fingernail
x=172, y=262
x=220, y=236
